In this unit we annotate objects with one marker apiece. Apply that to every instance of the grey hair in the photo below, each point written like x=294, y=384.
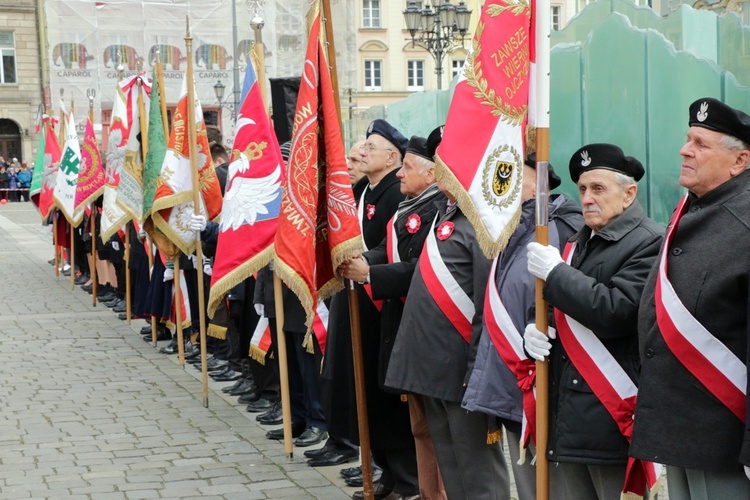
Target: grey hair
x=624, y=181
x=735, y=144
x=423, y=163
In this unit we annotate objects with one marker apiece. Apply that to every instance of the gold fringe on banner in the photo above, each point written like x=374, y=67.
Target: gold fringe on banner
x=217, y=331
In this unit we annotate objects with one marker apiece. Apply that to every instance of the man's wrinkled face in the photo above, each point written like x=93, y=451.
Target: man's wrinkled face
x=602, y=198
x=377, y=154
x=354, y=162
x=414, y=179
x=706, y=162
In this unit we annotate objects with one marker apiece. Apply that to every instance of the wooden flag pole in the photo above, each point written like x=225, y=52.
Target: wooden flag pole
x=177, y=283
x=72, y=236
x=359, y=370
x=56, y=243
x=286, y=409
x=286, y=400
x=93, y=224
x=196, y=206
x=542, y=33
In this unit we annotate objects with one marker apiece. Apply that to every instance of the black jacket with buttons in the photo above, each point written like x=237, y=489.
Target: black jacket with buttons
x=601, y=289
x=677, y=420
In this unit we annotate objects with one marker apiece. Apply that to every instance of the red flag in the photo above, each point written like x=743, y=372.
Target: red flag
x=318, y=227
x=52, y=156
x=252, y=198
x=481, y=156
x=91, y=176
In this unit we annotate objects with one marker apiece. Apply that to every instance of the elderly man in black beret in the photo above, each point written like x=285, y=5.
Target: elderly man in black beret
x=693, y=324
x=595, y=289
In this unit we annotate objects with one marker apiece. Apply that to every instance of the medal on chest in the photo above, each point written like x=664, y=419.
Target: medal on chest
x=370, y=211
x=445, y=230
x=413, y=223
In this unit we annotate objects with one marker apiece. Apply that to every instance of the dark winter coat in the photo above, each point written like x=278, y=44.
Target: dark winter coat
x=493, y=388
x=677, y=420
x=601, y=289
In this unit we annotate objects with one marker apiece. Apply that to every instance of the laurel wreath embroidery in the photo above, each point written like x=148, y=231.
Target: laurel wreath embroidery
x=517, y=7
x=513, y=115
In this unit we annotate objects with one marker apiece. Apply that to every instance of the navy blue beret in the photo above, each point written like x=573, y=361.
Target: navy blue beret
x=606, y=156
x=389, y=133
x=714, y=115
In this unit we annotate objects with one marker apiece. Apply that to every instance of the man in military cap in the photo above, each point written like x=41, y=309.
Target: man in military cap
x=381, y=157
x=595, y=289
x=693, y=323
x=499, y=371
x=389, y=269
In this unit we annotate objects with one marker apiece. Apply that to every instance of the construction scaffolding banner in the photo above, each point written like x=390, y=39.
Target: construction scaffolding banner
x=89, y=40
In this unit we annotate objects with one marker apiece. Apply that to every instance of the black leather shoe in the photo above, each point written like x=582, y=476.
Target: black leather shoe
x=87, y=288
x=171, y=348
x=122, y=316
x=272, y=417
x=278, y=434
x=379, y=492
x=111, y=303
x=146, y=330
x=249, y=397
x=228, y=388
x=194, y=354
x=213, y=365
x=351, y=471
x=82, y=279
x=229, y=376
x=107, y=297
x=260, y=406
x=246, y=387
x=311, y=436
x=357, y=481
x=316, y=452
x=333, y=458
x=120, y=307
x=160, y=336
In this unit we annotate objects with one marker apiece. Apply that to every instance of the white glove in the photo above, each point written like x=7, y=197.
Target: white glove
x=142, y=234
x=168, y=275
x=542, y=259
x=115, y=246
x=259, y=309
x=536, y=343
x=747, y=471
x=198, y=222
x=207, y=269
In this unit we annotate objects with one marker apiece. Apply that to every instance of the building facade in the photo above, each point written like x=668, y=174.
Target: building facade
x=20, y=79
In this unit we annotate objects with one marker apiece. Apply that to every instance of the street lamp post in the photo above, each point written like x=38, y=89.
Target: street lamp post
x=219, y=89
x=438, y=31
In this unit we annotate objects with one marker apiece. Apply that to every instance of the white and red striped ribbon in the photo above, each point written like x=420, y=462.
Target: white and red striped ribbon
x=706, y=357
x=444, y=289
x=610, y=384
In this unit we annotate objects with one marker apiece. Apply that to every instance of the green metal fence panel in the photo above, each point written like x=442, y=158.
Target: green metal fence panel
x=734, y=48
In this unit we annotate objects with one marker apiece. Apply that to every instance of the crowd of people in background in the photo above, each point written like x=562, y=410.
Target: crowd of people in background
x=15, y=180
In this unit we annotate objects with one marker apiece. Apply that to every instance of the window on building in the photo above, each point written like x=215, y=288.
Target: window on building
x=371, y=14
x=373, y=75
x=456, y=66
x=7, y=57
x=415, y=75
x=555, y=17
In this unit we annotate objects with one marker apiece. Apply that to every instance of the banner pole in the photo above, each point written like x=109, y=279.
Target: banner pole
x=542, y=34
x=286, y=408
x=177, y=284
x=196, y=205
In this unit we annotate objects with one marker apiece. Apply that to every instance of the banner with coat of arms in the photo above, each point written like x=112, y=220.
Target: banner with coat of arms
x=481, y=157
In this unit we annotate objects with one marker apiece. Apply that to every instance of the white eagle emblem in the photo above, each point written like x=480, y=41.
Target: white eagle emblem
x=586, y=159
x=703, y=112
x=247, y=197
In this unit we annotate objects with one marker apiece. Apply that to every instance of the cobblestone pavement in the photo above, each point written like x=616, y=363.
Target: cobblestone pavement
x=89, y=410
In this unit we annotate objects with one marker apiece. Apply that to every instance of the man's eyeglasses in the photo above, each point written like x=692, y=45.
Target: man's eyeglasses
x=369, y=148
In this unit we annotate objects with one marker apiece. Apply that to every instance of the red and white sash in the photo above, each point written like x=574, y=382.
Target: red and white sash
x=444, y=289
x=509, y=344
x=707, y=358
x=610, y=384
x=360, y=217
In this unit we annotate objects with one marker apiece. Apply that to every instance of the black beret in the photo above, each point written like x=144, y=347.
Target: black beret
x=418, y=146
x=553, y=179
x=426, y=147
x=606, y=156
x=389, y=132
x=714, y=115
